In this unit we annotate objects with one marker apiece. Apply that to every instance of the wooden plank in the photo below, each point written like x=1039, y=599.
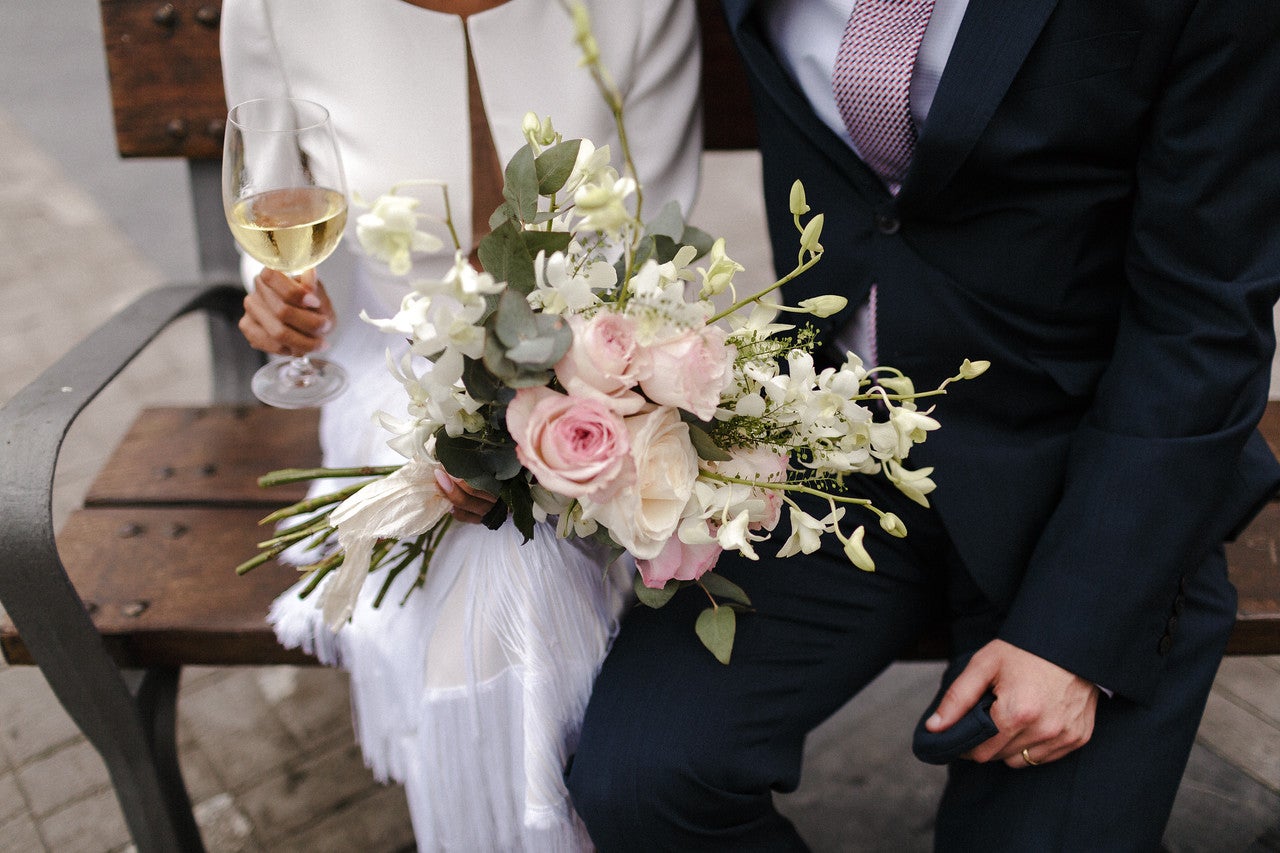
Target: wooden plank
x=1254, y=564
x=209, y=456
x=161, y=587
x=166, y=77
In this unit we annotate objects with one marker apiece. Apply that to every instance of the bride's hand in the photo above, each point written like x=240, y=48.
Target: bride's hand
x=286, y=316
x=469, y=503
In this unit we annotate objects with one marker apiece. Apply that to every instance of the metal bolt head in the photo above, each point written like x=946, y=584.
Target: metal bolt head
x=134, y=609
x=207, y=16
x=165, y=16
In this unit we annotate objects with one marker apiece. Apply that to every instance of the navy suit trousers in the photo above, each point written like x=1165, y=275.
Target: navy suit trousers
x=681, y=753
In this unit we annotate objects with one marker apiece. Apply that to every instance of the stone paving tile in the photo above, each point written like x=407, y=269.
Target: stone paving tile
x=198, y=772
x=379, y=822
x=236, y=728
x=224, y=827
x=1218, y=808
x=288, y=801
x=20, y=835
x=91, y=825
x=64, y=776
x=313, y=702
x=1238, y=736
x=33, y=721
x=1252, y=683
x=12, y=801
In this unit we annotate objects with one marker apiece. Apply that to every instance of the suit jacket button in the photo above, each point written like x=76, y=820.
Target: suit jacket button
x=887, y=223
x=1179, y=603
x=1166, y=643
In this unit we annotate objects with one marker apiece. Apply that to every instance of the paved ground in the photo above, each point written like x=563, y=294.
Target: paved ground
x=268, y=752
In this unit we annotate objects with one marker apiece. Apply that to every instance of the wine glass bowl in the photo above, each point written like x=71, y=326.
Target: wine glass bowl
x=285, y=198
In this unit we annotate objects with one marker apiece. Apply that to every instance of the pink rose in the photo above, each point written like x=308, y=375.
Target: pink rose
x=574, y=446
x=601, y=363
x=644, y=514
x=679, y=561
x=689, y=371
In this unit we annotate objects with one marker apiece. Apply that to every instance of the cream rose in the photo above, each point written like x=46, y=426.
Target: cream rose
x=644, y=515
x=574, y=446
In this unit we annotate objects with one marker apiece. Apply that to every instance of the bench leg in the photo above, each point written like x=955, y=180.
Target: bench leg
x=166, y=818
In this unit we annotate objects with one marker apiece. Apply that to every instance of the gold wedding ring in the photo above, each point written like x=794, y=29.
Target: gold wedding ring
x=1026, y=756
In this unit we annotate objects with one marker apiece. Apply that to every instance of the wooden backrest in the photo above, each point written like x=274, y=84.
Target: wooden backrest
x=166, y=79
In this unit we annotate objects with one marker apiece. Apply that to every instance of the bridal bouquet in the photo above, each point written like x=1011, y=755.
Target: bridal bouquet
x=587, y=373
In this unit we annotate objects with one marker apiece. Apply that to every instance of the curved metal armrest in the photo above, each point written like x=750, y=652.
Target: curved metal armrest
x=34, y=586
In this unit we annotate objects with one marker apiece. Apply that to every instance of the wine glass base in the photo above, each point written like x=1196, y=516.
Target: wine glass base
x=298, y=383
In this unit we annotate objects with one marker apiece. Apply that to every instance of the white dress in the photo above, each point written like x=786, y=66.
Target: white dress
x=471, y=693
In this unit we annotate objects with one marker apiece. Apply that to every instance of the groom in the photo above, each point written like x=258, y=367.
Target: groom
x=1083, y=193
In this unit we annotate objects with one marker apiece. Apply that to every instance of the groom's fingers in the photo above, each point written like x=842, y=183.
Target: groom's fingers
x=963, y=694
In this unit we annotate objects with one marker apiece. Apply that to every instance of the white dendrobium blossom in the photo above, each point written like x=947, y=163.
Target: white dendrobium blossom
x=914, y=484
x=389, y=232
x=602, y=204
x=562, y=288
x=718, y=274
x=807, y=531
x=736, y=535
x=591, y=167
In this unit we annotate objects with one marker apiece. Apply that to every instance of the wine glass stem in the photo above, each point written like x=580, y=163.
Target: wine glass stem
x=301, y=372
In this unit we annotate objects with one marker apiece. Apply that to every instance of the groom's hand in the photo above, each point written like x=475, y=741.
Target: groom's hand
x=1040, y=707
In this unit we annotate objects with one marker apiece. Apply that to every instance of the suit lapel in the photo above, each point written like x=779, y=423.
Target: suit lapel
x=992, y=43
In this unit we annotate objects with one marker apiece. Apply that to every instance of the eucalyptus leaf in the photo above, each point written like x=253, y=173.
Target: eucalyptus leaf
x=698, y=239
x=521, y=186
x=669, y=222
x=722, y=587
x=651, y=597
x=482, y=385
x=514, y=321
x=533, y=351
x=555, y=165
x=715, y=628
x=706, y=448
x=545, y=241
x=504, y=256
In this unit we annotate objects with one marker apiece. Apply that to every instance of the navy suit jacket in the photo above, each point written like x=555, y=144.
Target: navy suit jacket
x=1092, y=207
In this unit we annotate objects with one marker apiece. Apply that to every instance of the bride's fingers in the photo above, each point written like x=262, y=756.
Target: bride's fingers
x=469, y=503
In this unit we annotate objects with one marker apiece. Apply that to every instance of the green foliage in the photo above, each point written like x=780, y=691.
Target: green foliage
x=716, y=627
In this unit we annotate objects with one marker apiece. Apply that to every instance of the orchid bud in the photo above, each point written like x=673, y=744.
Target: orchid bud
x=823, y=306
x=812, y=231
x=857, y=554
x=973, y=369
x=891, y=524
x=799, y=206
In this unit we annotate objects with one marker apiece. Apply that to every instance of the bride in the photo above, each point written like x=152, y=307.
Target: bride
x=472, y=691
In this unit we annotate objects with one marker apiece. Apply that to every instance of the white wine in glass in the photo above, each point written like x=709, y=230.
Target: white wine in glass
x=285, y=197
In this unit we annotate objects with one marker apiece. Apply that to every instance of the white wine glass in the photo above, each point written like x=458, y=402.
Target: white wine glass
x=285, y=197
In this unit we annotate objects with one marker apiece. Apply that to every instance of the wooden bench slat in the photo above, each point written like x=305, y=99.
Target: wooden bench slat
x=208, y=456
x=161, y=587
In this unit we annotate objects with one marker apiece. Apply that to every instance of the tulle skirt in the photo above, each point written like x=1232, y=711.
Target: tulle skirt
x=471, y=694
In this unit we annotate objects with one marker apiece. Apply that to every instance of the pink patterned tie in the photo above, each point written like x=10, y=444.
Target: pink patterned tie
x=872, y=82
